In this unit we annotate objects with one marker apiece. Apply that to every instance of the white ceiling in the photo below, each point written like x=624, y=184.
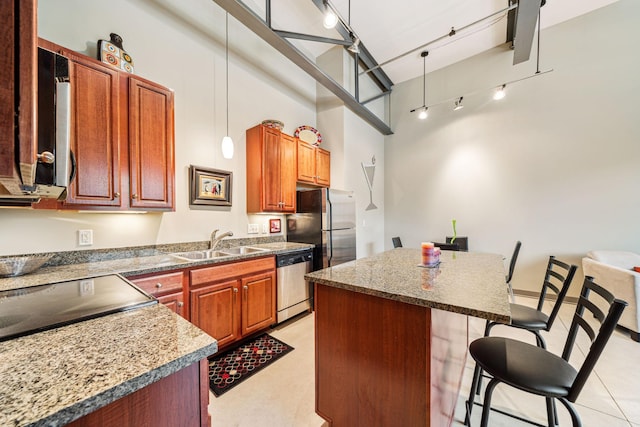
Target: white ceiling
x=389, y=29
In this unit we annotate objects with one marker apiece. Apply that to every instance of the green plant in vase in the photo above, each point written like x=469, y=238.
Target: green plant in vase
x=455, y=233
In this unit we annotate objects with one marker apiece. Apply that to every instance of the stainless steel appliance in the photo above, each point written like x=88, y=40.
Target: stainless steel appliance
x=294, y=293
x=54, y=169
x=326, y=218
x=34, y=309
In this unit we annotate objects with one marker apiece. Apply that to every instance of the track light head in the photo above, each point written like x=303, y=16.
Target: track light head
x=355, y=47
x=423, y=114
x=499, y=93
x=330, y=18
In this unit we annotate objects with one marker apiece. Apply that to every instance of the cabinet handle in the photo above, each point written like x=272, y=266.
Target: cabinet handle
x=134, y=196
x=235, y=292
x=116, y=195
x=246, y=290
x=180, y=304
x=158, y=285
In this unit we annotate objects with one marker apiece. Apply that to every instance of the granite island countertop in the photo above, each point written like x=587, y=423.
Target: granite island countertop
x=470, y=283
x=54, y=377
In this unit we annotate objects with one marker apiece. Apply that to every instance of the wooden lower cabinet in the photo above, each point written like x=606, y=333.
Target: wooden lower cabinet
x=181, y=399
x=168, y=288
x=235, y=300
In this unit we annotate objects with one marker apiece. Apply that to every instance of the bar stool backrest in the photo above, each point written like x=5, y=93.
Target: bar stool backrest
x=599, y=338
x=557, y=279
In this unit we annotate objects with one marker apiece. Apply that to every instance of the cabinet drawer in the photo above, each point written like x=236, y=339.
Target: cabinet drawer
x=160, y=283
x=235, y=269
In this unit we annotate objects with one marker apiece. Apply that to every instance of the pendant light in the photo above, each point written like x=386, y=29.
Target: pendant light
x=423, y=114
x=227, y=142
x=458, y=104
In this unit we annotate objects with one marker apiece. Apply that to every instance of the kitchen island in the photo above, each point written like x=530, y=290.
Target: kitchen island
x=391, y=337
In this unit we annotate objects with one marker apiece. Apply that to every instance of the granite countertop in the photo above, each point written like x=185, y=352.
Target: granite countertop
x=136, y=265
x=469, y=283
x=54, y=377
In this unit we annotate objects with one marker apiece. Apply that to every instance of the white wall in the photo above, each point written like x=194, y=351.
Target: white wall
x=556, y=164
x=352, y=142
x=179, y=45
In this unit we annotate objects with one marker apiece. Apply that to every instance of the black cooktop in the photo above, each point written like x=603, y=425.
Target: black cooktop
x=34, y=309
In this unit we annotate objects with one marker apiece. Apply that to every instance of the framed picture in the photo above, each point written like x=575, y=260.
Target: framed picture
x=274, y=226
x=210, y=186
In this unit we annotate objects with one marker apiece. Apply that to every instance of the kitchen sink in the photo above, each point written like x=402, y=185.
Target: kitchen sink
x=201, y=255
x=242, y=250
x=223, y=253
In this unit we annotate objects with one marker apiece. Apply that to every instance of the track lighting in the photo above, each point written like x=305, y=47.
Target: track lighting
x=423, y=114
x=458, y=104
x=330, y=18
x=354, y=48
x=499, y=93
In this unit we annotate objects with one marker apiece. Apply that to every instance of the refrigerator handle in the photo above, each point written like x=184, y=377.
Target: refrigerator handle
x=330, y=240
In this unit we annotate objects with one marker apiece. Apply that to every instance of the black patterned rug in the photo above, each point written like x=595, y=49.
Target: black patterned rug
x=230, y=368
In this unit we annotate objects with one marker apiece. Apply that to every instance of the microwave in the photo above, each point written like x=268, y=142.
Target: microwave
x=55, y=167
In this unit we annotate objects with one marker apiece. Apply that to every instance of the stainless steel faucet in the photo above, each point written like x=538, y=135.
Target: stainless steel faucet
x=215, y=240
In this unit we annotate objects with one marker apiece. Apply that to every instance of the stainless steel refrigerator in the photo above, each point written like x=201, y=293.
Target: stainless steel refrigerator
x=326, y=218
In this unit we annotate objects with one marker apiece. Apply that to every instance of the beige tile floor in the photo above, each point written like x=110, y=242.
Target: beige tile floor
x=282, y=395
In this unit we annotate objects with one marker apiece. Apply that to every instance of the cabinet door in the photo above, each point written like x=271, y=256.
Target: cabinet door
x=151, y=145
x=174, y=301
x=216, y=310
x=258, y=302
x=94, y=134
x=288, y=173
x=271, y=171
x=306, y=162
x=323, y=167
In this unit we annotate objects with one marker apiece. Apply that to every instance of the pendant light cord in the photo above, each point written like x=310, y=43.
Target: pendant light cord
x=226, y=48
x=538, y=50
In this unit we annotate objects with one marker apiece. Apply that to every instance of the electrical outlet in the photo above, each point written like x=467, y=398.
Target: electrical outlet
x=85, y=237
x=253, y=229
x=265, y=228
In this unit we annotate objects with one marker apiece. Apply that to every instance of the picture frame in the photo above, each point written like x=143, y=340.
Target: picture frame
x=210, y=187
x=275, y=226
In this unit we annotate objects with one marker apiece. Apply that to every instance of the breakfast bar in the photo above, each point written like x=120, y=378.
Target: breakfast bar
x=392, y=335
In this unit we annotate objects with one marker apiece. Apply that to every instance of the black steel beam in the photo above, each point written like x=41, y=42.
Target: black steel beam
x=256, y=24
x=308, y=37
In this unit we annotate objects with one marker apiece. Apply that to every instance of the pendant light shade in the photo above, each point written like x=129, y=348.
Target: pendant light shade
x=227, y=142
x=227, y=147
x=499, y=93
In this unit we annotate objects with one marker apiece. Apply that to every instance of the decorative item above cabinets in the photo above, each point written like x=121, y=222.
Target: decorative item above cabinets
x=122, y=136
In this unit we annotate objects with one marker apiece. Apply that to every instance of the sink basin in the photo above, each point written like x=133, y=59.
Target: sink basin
x=242, y=250
x=200, y=255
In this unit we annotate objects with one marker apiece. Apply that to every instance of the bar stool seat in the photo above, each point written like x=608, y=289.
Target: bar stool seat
x=524, y=366
x=528, y=318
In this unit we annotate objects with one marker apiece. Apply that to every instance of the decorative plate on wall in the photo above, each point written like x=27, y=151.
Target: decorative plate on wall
x=308, y=134
x=112, y=53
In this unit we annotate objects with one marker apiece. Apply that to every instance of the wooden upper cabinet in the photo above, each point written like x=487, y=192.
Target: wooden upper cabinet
x=122, y=136
x=288, y=172
x=18, y=93
x=151, y=145
x=95, y=100
x=314, y=165
x=323, y=167
x=271, y=170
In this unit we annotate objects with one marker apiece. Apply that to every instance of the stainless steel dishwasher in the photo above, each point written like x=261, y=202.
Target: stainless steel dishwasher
x=294, y=292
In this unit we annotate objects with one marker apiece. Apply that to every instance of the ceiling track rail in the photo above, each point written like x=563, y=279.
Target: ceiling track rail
x=261, y=28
